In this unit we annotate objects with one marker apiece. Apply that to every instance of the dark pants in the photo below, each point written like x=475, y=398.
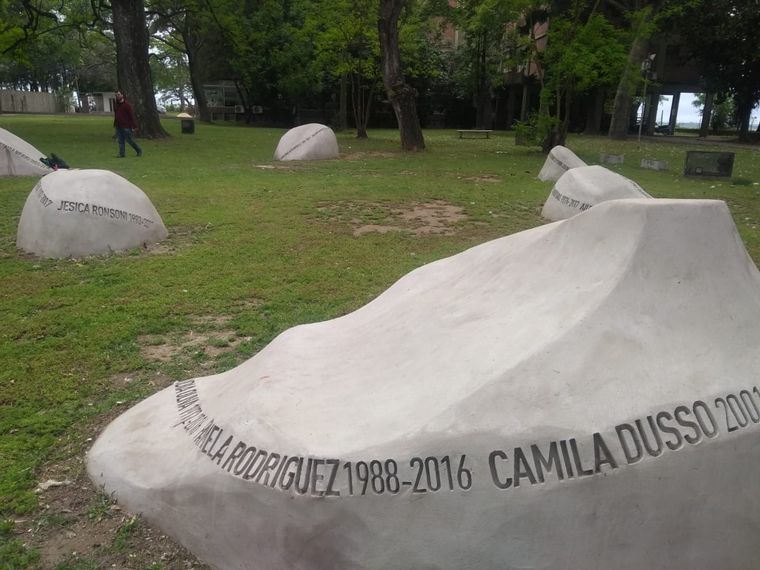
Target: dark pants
x=126, y=135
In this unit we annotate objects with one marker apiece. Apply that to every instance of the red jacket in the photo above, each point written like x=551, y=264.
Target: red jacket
x=124, y=116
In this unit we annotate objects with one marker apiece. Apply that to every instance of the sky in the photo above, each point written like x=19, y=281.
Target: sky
x=688, y=113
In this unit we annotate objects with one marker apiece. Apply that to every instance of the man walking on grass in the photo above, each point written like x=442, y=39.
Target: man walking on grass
x=125, y=123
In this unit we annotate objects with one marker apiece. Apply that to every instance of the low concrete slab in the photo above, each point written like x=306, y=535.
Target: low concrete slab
x=580, y=395
x=652, y=164
x=580, y=188
x=307, y=142
x=611, y=158
x=560, y=160
x=86, y=212
x=19, y=158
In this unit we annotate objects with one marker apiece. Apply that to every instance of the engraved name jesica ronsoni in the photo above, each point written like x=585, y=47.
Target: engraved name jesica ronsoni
x=92, y=209
x=533, y=463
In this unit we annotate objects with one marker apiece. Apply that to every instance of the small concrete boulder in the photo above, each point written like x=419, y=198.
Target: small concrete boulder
x=580, y=395
x=86, y=212
x=307, y=142
x=19, y=158
x=559, y=161
x=580, y=188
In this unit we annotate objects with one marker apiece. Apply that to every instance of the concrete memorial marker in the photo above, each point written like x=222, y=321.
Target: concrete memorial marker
x=19, y=158
x=559, y=161
x=307, y=142
x=652, y=164
x=611, y=158
x=581, y=395
x=709, y=164
x=86, y=212
x=580, y=188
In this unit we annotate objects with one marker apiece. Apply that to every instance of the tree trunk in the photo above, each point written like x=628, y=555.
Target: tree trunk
x=343, y=104
x=621, y=109
x=483, y=94
x=358, y=105
x=652, y=102
x=193, y=47
x=132, y=68
x=704, y=128
x=674, y=113
x=595, y=112
x=403, y=97
x=744, y=114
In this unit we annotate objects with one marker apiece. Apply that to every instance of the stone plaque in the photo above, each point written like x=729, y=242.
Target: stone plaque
x=709, y=164
x=612, y=158
x=652, y=164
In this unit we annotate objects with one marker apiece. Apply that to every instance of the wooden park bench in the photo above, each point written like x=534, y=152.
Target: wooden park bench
x=474, y=133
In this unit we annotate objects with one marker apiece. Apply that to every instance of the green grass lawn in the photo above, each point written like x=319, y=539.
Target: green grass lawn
x=255, y=247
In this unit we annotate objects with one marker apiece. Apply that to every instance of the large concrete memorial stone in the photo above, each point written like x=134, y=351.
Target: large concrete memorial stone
x=86, y=212
x=19, y=158
x=307, y=142
x=582, y=395
x=580, y=188
x=560, y=160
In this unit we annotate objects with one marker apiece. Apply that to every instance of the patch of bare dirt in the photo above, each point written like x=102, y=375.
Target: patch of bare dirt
x=180, y=237
x=77, y=526
x=419, y=218
x=210, y=335
x=285, y=167
x=361, y=155
x=485, y=178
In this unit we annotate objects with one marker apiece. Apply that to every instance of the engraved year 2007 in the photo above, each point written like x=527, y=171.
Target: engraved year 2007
x=740, y=410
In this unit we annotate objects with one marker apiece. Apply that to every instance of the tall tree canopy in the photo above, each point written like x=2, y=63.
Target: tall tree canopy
x=348, y=50
x=723, y=36
x=487, y=51
x=185, y=29
x=643, y=18
x=584, y=51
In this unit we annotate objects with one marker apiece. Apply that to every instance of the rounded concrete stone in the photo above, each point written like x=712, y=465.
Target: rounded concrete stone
x=19, y=158
x=307, y=142
x=582, y=395
x=560, y=160
x=86, y=212
x=585, y=186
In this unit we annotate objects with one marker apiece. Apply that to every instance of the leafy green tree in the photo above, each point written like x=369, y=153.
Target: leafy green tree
x=584, y=51
x=348, y=50
x=22, y=21
x=488, y=49
x=723, y=36
x=96, y=65
x=61, y=56
x=27, y=28
x=271, y=63
x=184, y=28
x=644, y=17
x=723, y=111
x=171, y=73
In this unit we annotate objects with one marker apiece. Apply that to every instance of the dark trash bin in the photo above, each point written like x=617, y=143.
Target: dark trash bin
x=188, y=126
